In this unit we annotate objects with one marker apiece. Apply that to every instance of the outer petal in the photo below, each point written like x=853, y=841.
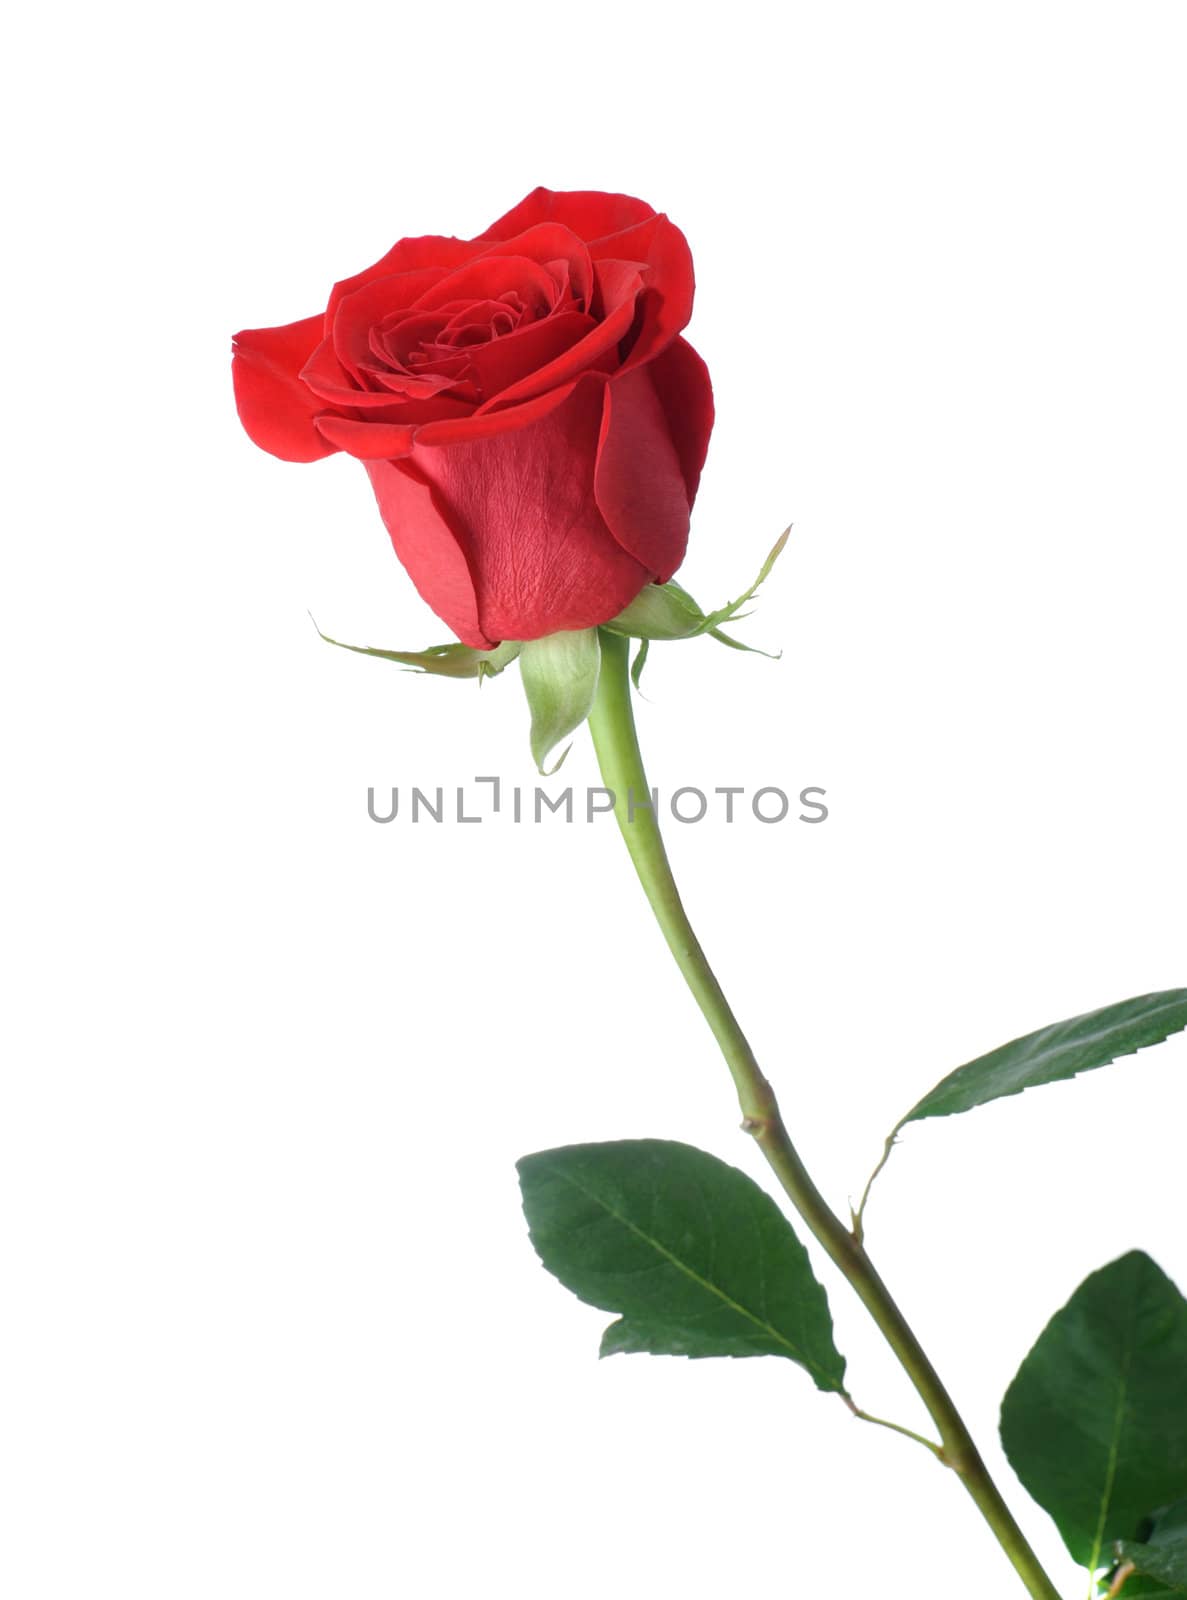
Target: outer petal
x=590, y=213
x=428, y=547
x=488, y=424
x=668, y=281
x=682, y=383
x=374, y=435
x=275, y=406
x=522, y=508
x=638, y=482
x=367, y=441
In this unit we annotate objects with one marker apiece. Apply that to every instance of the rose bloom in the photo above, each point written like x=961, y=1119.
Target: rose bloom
x=533, y=424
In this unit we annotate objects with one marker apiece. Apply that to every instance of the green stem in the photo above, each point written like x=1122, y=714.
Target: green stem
x=612, y=724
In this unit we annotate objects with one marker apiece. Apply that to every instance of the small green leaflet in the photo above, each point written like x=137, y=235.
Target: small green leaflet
x=1163, y=1554
x=1095, y=1422
x=1060, y=1051
x=692, y=1254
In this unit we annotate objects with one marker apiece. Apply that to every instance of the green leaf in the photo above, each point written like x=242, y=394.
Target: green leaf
x=1162, y=1555
x=560, y=675
x=1060, y=1051
x=1095, y=1423
x=443, y=660
x=1136, y=1586
x=692, y=1254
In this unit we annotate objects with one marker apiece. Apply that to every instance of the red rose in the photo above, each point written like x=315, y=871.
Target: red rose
x=533, y=425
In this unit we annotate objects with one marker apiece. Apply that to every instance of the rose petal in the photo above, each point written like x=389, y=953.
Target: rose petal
x=479, y=320
x=638, y=481
x=618, y=284
x=490, y=276
x=522, y=507
x=589, y=213
x=667, y=279
x=325, y=375
x=495, y=366
x=682, y=383
x=275, y=406
x=549, y=243
x=428, y=548
x=367, y=441
x=489, y=424
x=434, y=251
x=407, y=386
x=392, y=339
x=377, y=301
x=382, y=438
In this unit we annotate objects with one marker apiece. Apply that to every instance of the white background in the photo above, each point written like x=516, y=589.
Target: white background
x=273, y=1325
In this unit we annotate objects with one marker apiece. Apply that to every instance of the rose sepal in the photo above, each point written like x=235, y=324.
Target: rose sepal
x=560, y=677
x=667, y=612
x=442, y=660
x=661, y=611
